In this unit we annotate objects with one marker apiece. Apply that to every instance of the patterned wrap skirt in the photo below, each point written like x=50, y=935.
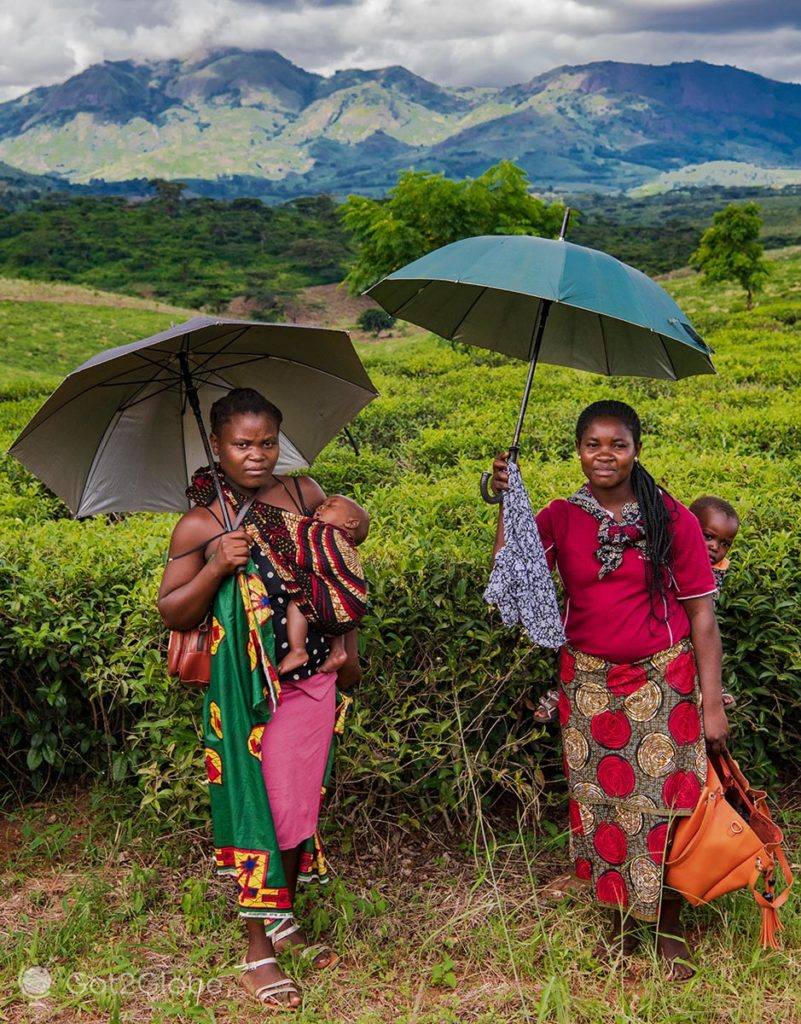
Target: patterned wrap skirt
x=635, y=760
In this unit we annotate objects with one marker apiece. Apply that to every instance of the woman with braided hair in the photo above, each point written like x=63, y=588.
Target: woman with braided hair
x=640, y=693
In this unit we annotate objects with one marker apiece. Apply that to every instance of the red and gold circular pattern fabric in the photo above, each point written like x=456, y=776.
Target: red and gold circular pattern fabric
x=632, y=738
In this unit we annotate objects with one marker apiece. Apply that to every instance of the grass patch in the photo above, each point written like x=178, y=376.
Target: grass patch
x=133, y=926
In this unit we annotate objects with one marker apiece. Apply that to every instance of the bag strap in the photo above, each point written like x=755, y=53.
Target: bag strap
x=301, y=502
x=242, y=513
x=237, y=523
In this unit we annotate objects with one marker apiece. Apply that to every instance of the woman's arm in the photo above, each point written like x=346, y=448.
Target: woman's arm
x=705, y=637
x=189, y=583
x=350, y=674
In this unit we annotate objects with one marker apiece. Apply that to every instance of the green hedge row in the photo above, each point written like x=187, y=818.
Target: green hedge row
x=84, y=688
x=82, y=681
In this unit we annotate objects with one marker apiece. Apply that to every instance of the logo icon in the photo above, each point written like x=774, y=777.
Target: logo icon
x=35, y=981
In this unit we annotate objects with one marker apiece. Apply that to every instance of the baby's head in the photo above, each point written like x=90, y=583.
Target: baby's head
x=337, y=510
x=719, y=525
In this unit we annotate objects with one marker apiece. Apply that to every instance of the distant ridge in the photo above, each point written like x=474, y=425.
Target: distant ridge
x=252, y=120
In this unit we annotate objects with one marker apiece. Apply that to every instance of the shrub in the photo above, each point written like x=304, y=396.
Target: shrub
x=375, y=321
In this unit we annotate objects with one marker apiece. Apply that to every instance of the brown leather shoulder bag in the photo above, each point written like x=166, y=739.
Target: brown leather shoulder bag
x=730, y=842
x=189, y=650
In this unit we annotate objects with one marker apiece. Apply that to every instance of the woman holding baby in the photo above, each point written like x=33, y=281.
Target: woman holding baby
x=286, y=589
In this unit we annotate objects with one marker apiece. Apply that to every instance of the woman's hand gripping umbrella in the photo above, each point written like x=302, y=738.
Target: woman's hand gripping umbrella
x=118, y=436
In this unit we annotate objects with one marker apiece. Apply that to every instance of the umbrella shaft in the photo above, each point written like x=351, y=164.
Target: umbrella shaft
x=194, y=401
x=545, y=309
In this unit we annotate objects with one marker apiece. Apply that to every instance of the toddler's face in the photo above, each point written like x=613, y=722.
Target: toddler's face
x=719, y=531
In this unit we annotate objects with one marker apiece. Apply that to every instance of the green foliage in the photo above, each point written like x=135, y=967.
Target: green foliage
x=375, y=321
x=425, y=211
x=204, y=253
x=730, y=249
x=443, y=973
x=201, y=253
x=82, y=680
x=168, y=193
x=659, y=233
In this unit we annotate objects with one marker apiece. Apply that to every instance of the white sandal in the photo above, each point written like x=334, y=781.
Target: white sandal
x=307, y=952
x=547, y=710
x=284, y=930
x=268, y=993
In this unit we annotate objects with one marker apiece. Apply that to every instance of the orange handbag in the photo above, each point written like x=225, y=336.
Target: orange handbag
x=189, y=654
x=730, y=842
x=189, y=650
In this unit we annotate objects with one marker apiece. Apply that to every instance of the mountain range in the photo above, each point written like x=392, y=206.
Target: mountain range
x=233, y=121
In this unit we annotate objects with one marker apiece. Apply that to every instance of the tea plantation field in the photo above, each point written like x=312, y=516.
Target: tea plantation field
x=79, y=654
x=439, y=732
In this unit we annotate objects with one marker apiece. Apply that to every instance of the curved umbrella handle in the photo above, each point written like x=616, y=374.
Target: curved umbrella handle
x=489, y=496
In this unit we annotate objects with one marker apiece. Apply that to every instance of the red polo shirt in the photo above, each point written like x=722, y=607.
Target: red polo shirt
x=610, y=618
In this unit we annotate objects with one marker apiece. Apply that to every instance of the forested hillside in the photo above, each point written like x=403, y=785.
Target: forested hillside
x=207, y=253
x=194, y=252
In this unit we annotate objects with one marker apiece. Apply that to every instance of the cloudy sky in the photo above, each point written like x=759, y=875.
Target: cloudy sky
x=457, y=42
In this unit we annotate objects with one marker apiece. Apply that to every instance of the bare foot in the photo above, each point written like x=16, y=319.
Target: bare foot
x=296, y=658
x=621, y=940
x=673, y=950
x=297, y=940
x=335, y=660
x=282, y=997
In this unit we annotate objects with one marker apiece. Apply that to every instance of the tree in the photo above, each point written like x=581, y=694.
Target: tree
x=168, y=193
x=425, y=211
x=375, y=321
x=730, y=250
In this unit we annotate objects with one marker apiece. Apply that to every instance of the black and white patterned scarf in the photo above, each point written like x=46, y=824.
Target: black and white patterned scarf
x=613, y=537
x=520, y=585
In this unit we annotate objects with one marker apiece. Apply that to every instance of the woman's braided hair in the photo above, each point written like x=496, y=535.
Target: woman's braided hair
x=654, y=513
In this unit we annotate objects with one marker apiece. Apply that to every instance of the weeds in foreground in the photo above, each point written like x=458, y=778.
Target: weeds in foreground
x=432, y=929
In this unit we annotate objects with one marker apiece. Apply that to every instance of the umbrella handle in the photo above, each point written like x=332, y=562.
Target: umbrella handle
x=489, y=496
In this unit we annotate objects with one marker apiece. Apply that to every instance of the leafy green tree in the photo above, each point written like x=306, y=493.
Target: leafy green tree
x=425, y=211
x=168, y=193
x=375, y=321
x=730, y=249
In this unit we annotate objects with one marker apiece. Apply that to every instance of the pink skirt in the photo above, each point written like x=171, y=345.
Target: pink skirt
x=294, y=753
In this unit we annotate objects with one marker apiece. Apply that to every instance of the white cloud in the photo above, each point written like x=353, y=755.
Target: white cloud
x=458, y=42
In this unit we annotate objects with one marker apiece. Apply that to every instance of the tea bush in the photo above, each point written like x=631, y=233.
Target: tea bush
x=83, y=687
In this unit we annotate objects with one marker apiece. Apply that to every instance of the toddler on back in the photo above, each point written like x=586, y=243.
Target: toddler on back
x=719, y=524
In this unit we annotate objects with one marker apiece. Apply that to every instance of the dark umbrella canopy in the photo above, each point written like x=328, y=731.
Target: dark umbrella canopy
x=603, y=315
x=118, y=435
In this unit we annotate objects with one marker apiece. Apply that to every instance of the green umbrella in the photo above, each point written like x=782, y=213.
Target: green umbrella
x=546, y=300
